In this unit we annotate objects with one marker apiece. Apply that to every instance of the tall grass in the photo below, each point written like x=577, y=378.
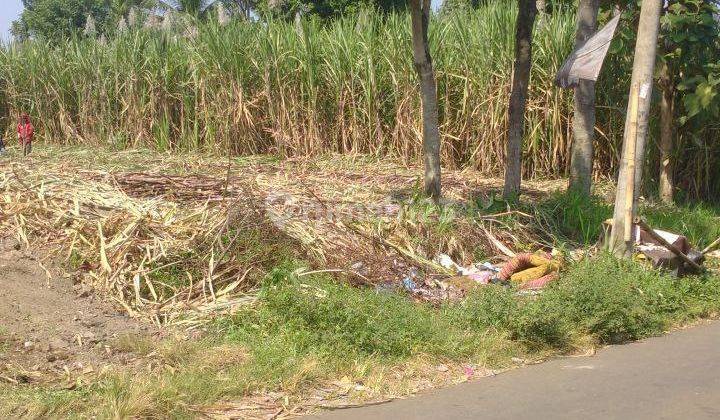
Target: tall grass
x=345, y=86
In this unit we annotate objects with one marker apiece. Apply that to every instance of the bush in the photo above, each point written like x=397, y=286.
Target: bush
x=608, y=299
x=492, y=307
x=321, y=317
x=612, y=299
x=544, y=323
x=574, y=216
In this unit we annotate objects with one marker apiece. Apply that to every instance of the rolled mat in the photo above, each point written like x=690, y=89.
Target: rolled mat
x=522, y=262
x=539, y=283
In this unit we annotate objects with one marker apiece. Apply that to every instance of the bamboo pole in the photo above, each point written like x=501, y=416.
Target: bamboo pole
x=636, y=126
x=632, y=145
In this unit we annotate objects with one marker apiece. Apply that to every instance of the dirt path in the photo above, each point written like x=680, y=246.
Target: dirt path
x=676, y=376
x=49, y=326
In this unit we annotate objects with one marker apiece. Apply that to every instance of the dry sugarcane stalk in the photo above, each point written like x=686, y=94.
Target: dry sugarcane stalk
x=499, y=245
x=108, y=229
x=711, y=247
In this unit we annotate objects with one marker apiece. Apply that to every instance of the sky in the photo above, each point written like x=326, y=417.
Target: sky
x=10, y=10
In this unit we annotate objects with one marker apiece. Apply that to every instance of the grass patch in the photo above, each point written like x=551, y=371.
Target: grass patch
x=323, y=315
x=615, y=300
x=603, y=300
x=313, y=330
x=699, y=222
x=132, y=343
x=571, y=216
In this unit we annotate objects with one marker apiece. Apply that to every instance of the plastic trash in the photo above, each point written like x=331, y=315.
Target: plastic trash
x=446, y=262
x=409, y=284
x=487, y=266
x=482, y=277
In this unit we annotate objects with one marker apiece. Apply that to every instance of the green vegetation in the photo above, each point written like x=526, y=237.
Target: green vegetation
x=347, y=85
x=699, y=222
x=344, y=85
x=324, y=8
x=570, y=217
x=56, y=18
x=311, y=330
x=341, y=86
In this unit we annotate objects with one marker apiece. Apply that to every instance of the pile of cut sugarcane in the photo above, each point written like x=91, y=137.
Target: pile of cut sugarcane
x=119, y=242
x=169, y=236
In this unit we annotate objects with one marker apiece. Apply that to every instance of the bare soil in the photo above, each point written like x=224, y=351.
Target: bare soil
x=50, y=326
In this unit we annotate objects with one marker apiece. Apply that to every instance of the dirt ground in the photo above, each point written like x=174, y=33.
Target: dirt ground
x=50, y=326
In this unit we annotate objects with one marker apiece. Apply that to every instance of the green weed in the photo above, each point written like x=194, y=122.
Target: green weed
x=311, y=330
x=573, y=216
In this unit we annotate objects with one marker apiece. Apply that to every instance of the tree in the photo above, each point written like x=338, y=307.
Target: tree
x=689, y=36
x=194, y=8
x=518, y=97
x=287, y=9
x=581, y=156
x=60, y=19
x=420, y=17
x=666, y=84
x=57, y=19
x=242, y=8
x=636, y=126
x=122, y=8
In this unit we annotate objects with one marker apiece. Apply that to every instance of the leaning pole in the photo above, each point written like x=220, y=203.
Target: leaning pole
x=636, y=128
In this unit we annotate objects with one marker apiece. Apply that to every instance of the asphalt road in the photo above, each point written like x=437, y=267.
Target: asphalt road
x=676, y=376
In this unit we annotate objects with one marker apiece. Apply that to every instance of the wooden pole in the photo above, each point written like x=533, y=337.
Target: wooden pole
x=632, y=145
x=636, y=132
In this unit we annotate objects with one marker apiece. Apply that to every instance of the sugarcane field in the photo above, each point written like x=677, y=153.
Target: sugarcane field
x=271, y=209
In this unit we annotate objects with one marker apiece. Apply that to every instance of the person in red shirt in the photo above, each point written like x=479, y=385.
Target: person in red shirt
x=25, y=134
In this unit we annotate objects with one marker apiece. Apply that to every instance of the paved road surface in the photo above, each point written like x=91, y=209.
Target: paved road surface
x=671, y=377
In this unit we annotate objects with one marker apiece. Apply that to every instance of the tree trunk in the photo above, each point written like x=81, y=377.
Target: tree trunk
x=420, y=15
x=518, y=97
x=581, y=159
x=667, y=113
x=636, y=126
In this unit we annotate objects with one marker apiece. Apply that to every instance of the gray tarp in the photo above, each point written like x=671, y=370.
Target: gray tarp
x=586, y=62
